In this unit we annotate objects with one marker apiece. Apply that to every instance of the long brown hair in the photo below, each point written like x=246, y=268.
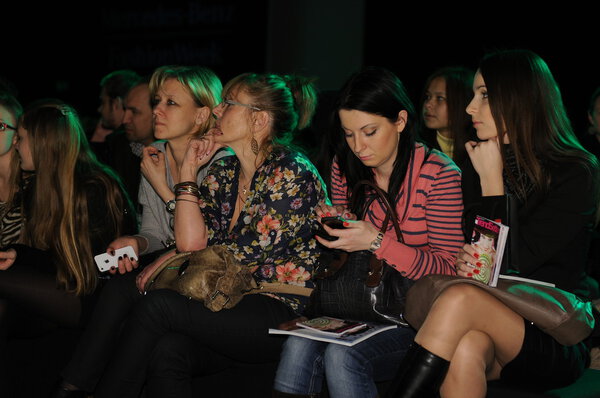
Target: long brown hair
x=526, y=104
x=57, y=215
x=459, y=92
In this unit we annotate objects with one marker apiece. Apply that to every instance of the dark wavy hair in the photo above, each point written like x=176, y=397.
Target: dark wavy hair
x=380, y=92
x=459, y=92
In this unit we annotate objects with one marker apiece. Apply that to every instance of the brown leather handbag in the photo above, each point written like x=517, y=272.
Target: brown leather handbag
x=561, y=314
x=213, y=276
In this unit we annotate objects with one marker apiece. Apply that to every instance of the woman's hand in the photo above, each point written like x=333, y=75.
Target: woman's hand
x=487, y=162
x=324, y=210
x=356, y=235
x=198, y=153
x=7, y=258
x=154, y=167
x=144, y=275
x=126, y=264
x=467, y=263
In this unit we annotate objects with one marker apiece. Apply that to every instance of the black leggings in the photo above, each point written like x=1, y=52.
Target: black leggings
x=28, y=290
x=165, y=328
x=98, y=340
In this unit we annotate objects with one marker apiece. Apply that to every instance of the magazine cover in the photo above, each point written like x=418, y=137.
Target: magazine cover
x=332, y=326
x=488, y=240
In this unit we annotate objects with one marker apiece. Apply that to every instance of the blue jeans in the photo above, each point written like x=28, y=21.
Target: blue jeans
x=350, y=371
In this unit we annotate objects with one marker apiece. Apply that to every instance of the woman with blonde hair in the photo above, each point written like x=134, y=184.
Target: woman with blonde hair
x=259, y=205
x=183, y=98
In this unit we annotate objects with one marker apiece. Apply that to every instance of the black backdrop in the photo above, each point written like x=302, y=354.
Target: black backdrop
x=54, y=50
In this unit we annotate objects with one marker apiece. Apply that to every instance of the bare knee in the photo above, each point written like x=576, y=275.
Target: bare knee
x=460, y=298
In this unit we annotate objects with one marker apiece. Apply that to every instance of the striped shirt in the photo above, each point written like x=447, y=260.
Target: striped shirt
x=430, y=208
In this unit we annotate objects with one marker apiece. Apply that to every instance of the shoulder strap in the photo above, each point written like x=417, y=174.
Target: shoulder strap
x=390, y=213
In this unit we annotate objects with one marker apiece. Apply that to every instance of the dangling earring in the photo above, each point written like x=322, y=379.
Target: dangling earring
x=254, y=145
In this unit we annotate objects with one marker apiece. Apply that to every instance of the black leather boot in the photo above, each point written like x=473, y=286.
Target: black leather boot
x=279, y=394
x=420, y=375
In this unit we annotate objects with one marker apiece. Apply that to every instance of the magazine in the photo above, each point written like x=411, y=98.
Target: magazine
x=521, y=279
x=332, y=326
x=488, y=240
x=349, y=339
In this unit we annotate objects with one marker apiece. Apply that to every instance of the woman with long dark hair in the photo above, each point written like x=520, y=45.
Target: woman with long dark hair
x=530, y=163
x=376, y=136
x=446, y=95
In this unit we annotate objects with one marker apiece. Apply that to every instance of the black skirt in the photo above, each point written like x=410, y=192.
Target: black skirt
x=544, y=364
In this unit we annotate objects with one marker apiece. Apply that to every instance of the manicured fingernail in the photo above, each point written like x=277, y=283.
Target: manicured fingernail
x=124, y=255
x=478, y=264
x=476, y=255
x=322, y=215
x=120, y=257
x=476, y=271
x=346, y=224
x=328, y=214
x=469, y=274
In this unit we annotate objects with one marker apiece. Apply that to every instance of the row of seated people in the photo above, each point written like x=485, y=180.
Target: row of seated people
x=224, y=172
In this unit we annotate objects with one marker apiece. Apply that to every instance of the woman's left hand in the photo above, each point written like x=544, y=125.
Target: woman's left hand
x=467, y=263
x=198, y=153
x=356, y=235
x=7, y=258
x=487, y=162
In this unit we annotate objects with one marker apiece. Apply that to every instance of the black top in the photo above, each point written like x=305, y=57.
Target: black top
x=116, y=152
x=549, y=232
x=102, y=231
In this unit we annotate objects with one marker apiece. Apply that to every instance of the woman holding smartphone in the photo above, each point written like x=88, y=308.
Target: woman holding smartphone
x=376, y=140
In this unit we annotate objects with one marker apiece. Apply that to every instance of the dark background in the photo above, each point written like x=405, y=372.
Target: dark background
x=60, y=51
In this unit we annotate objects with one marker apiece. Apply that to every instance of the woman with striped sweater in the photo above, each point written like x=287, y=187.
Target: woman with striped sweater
x=376, y=141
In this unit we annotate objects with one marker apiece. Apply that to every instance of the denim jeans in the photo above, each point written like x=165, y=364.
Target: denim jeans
x=350, y=371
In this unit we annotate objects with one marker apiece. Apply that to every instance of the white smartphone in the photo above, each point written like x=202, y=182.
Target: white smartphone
x=106, y=261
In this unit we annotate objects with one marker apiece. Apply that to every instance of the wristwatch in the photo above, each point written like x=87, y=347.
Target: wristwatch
x=171, y=206
x=376, y=244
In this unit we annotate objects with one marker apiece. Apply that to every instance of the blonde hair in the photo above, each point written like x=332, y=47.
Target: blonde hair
x=201, y=83
x=57, y=217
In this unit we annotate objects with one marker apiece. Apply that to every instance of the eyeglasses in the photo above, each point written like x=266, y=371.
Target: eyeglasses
x=5, y=126
x=230, y=102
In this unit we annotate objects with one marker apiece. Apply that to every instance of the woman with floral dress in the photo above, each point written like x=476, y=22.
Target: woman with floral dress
x=260, y=204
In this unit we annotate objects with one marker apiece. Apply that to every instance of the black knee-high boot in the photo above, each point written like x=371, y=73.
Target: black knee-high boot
x=420, y=375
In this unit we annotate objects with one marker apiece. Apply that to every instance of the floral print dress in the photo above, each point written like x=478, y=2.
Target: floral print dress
x=274, y=233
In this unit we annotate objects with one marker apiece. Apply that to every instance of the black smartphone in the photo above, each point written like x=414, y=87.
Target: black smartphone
x=331, y=222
